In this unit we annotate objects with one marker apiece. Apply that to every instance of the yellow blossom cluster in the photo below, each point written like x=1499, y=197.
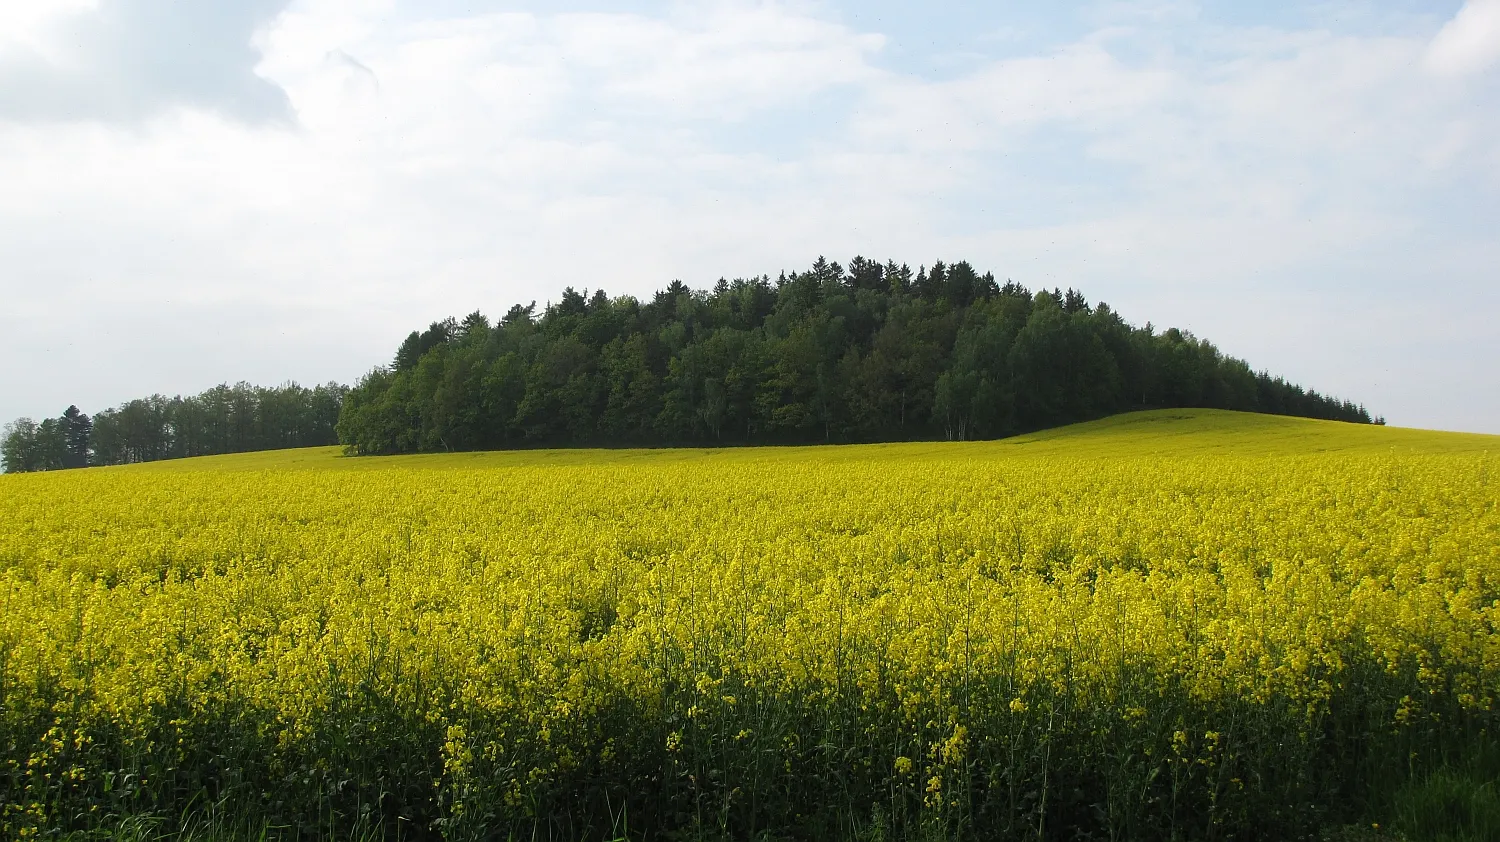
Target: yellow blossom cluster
x=1117, y=626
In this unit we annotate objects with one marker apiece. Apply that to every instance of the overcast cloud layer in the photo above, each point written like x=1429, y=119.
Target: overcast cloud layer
x=196, y=193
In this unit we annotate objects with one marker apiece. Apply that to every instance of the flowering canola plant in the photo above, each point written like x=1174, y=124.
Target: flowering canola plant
x=1187, y=623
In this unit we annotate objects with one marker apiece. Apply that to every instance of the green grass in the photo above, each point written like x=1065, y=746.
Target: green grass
x=1450, y=805
x=1186, y=432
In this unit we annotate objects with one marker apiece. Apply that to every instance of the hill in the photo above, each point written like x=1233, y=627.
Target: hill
x=872, y=353
x=876, y=353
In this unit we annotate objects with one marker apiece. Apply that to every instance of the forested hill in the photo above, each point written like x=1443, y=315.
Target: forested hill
x=869, y=353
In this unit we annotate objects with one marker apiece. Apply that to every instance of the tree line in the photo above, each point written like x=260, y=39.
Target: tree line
x=871, y=352
x=224, y=419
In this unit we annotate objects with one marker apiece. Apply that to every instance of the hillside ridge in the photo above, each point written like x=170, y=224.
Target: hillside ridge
x=874, y=353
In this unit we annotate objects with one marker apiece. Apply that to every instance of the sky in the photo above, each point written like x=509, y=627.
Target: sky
x=268, y=191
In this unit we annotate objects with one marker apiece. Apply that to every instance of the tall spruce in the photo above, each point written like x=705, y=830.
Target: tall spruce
x=76, y=430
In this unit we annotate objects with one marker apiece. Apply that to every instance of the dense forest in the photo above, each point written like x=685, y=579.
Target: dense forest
x=224, y=419
x=874, y=352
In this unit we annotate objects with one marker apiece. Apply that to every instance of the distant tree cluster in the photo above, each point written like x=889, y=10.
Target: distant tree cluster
x=224, y=419
x=874, y=352
x=51, y=445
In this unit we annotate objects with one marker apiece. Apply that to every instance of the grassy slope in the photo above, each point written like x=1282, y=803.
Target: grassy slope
x=1167, y=432
x=1203, y=431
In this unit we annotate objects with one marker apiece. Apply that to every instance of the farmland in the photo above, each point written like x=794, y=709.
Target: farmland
x=1192, y=624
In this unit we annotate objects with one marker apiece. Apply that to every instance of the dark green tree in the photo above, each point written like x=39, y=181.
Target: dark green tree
x=28, y=446
x=76, y=430
x=872, y=353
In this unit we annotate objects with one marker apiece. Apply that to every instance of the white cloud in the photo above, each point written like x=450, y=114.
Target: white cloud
x=31, y=26
x=1240, y=181
x=1082, y=83
x=1470, y=42
x=727, y=61
x=125, y=60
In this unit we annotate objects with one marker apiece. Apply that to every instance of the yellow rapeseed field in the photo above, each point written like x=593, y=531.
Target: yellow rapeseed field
x=1187, y=623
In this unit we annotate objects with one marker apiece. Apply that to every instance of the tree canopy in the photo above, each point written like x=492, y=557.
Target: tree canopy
x=224, y=419
x=871, y=352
